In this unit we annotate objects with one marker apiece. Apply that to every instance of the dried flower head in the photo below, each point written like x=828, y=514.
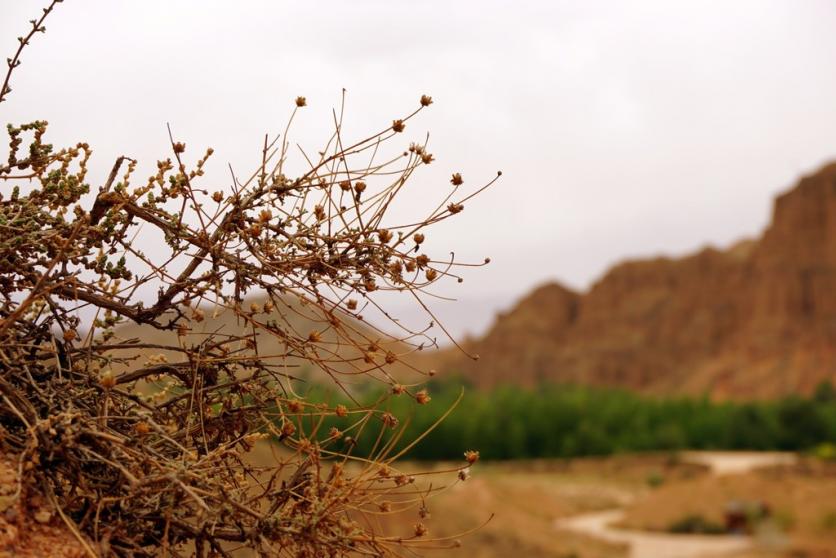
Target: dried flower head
x=288, y=429
x=107, y=380
x=398, y=125
x=390, y=420
x=301, y=102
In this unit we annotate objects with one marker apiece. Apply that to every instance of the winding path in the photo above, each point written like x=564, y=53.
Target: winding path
x=646, y=544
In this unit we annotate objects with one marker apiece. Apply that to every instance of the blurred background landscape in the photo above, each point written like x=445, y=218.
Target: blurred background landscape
x=656, y=331
x=688, y=401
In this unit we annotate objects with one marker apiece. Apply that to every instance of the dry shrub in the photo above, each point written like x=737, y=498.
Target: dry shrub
x=144, y=453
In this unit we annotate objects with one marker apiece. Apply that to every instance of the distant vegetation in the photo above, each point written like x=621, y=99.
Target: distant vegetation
x=568, y=421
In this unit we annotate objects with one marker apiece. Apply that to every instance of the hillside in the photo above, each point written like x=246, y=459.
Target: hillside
x=339, y=350
x=755, y=320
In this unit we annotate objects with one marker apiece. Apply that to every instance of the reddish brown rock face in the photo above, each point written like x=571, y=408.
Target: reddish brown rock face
x=756, y=320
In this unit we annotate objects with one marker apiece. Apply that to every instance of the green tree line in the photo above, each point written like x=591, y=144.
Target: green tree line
x=571, y=421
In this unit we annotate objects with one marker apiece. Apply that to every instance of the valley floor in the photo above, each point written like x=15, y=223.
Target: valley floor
x=618, y=507
x=627, y=506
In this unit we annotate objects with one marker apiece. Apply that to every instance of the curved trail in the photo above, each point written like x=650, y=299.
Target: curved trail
x=732, y=463
x=647, y=544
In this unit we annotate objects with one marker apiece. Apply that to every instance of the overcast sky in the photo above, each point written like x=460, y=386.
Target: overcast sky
x=623, y=129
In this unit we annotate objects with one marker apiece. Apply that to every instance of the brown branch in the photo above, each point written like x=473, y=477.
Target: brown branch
x=14, y=61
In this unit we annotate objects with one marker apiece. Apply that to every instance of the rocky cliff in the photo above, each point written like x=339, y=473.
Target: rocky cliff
x=758, y=319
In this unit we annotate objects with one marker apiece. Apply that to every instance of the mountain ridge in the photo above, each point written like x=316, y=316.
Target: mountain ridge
x=757, y=319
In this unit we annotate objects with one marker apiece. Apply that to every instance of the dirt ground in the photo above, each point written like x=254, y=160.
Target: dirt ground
x=29, y=527
x=523, y=500
x=534, y=503
x=800, y=501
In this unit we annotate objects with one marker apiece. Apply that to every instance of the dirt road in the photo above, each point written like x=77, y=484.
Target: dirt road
x=736, y=462
x=646, y=544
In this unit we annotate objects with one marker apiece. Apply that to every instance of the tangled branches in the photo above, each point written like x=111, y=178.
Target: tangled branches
x=143, y=446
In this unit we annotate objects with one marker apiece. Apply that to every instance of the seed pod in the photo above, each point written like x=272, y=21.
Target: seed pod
x=107, y=380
